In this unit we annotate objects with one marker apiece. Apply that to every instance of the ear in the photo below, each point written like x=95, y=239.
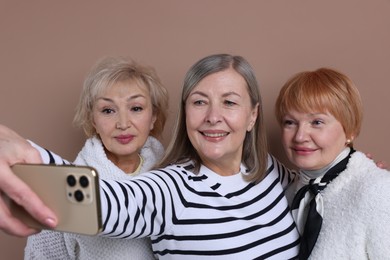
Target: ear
x=253, y=117
x=349, y=140
x=154, y=118
x=94, y=125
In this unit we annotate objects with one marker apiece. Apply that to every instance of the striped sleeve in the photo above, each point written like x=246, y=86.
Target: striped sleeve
x=47, y=156
x=287, y=176
x=144, y=199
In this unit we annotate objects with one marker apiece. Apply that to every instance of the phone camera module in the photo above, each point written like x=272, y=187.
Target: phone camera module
x=71, y=180
x=79, y=188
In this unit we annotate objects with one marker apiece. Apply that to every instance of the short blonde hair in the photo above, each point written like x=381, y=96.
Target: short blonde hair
x=323, y=90
x=111, y=70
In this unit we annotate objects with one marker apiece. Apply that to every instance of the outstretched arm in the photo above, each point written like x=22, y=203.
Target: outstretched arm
x=15, y=149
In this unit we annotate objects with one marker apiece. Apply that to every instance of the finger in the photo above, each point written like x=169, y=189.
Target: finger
x=32, y=156
x=12, y=225
x=369, y=155
x=382, y=164
x=21, y=194
x=18, y=151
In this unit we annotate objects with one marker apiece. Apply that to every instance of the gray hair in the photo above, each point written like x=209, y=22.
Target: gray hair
x=255, y=149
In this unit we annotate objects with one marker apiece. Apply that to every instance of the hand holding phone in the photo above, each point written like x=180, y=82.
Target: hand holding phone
x=72, y=192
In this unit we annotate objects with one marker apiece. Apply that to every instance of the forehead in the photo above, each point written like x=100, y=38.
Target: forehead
x=129, y=87
x=310, y=113
x=223, y=82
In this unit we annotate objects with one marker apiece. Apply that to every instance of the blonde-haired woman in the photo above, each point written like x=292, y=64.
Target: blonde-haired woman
x=122, y=109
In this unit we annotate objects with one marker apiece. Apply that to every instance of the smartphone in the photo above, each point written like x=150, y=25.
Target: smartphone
x=72, y=192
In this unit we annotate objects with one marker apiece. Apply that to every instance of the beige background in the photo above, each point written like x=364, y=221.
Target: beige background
x=47, y=47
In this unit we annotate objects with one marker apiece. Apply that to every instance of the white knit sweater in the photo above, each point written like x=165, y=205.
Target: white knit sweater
x=57, y=245
x=356, y=222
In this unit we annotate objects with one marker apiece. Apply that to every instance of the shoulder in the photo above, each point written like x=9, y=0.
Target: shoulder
x=366, y=168
x=153, y=143
x=153, y=147
x=370, y=181
x=274, y=164
x=152, y=151
x=286, y=175
x=373, y=187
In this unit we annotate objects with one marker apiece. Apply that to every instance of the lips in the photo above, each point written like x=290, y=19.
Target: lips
x=214, y=136
x=124, y=139
x=221, y=134
x=303, y=150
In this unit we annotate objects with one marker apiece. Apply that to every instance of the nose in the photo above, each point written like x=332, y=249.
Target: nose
x=124, y=121
x=302, y=133
x=214, y=114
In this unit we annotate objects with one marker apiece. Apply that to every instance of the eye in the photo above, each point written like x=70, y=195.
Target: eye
x=107, y=111
x=229, y=103
x=317, y=122
x=288, y=122
x=199, y=102
x=137, y=109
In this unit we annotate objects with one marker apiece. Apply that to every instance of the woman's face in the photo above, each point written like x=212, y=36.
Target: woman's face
x=218, y=115
x=123, y=118
x=312, y=140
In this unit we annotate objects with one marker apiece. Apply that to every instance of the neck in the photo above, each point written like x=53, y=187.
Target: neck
x=223, y=169
x=127, y=164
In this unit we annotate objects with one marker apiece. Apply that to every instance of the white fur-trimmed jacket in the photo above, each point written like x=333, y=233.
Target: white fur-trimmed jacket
x=356, y=221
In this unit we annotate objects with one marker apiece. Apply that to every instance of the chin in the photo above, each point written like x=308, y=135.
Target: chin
x=303, y=166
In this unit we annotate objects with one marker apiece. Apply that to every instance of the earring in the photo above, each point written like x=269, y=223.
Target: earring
x=348, y=142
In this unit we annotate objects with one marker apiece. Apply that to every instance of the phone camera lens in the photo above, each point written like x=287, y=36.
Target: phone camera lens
x=71, y=180
x=84, y=181
x=78, y=195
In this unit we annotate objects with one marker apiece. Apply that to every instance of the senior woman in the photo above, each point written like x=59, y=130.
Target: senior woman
x=342, y=201
x=216, y=194
x=122, y=109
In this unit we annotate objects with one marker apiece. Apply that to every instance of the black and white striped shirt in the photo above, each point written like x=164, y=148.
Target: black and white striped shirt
x=201, y=216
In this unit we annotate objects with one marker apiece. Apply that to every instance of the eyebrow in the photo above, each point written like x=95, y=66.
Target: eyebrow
x=230, y=93
x=136, y=96
x=128, y=99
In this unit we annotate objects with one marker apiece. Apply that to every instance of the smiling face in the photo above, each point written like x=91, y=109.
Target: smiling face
x=312, y=140
x=218, y=115
x=123, y=117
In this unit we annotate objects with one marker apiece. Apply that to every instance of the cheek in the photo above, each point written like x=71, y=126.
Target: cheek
x=335, y=143
x=192, y=117
x=242, y=120
x=334, y=137
x=286, y=138
x=145, y=124
x=191, y=128
x=102, y=126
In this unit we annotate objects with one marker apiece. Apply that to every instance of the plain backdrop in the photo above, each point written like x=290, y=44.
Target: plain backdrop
x=47, y=47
